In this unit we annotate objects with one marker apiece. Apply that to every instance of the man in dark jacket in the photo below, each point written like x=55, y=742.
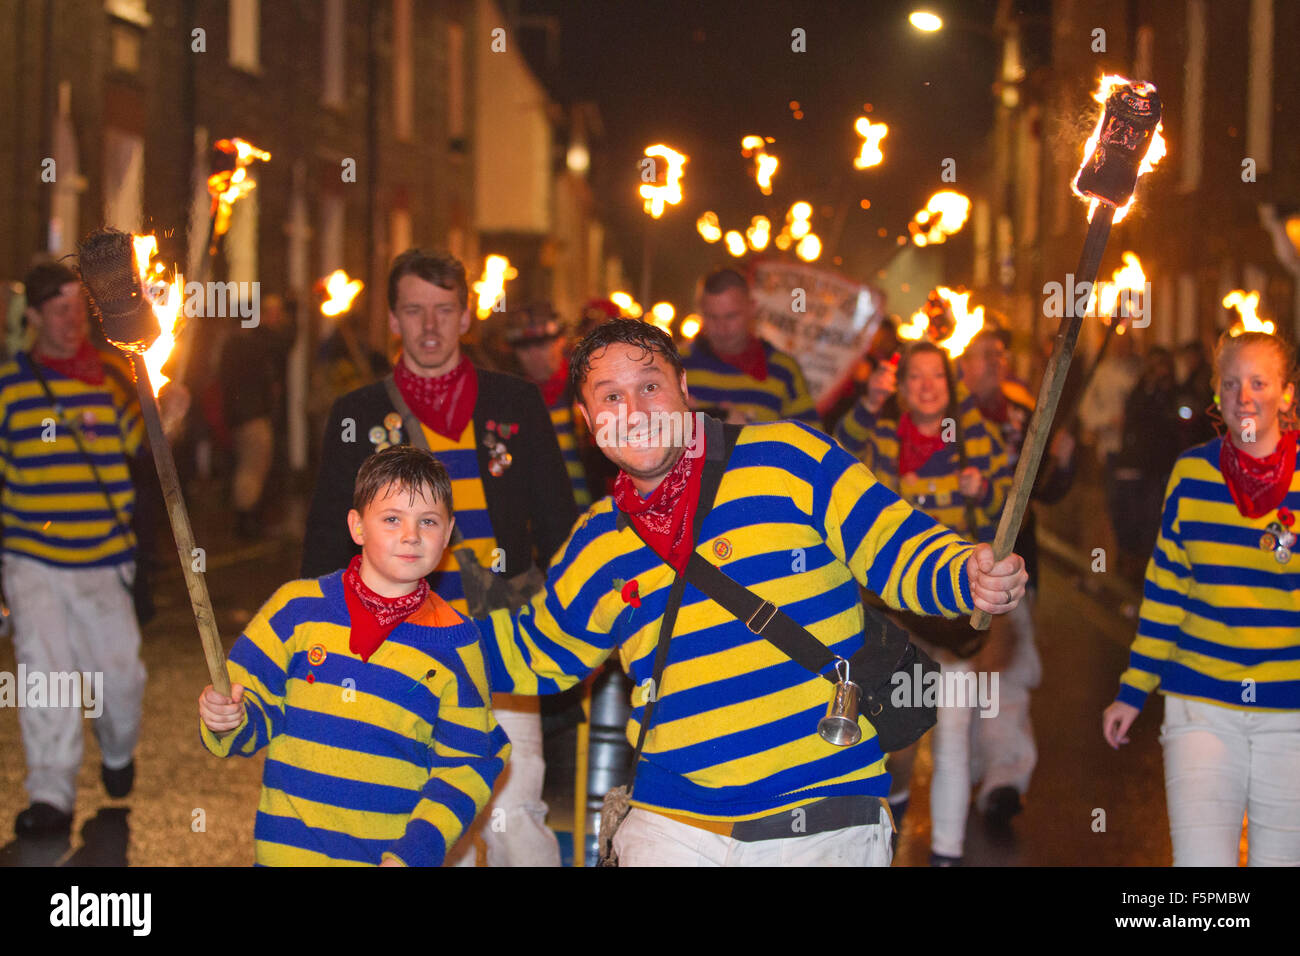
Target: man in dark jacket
x=510, y=490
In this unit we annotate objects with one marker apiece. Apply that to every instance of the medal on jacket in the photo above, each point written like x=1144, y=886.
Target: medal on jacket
x=499, y=456
x=840, y=725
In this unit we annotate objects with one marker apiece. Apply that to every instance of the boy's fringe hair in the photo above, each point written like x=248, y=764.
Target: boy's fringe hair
x=412, y=469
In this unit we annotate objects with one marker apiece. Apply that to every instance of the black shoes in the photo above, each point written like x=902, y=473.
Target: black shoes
x=1003, y=804
x=938, y=859
x=43, y=820
x=118, y=782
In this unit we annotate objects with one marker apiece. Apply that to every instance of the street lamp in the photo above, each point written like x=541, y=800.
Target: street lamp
x=925, y=21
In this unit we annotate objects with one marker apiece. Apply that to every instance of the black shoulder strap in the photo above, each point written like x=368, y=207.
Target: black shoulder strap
x=719, y=441
x=409, y=421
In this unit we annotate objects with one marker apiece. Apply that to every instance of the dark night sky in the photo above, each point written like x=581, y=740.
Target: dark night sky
x=699, y=76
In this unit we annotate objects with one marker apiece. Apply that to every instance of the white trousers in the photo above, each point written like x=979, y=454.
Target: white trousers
x=1221, y=763
x=68, y=620
x=512, y=827
x=966, y=747
x=1004, y=752
x=651, y=839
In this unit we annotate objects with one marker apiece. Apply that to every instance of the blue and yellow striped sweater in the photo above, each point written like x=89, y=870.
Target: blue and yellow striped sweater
x=1220, y=617
x=395, y=755
x=734, y=735
x=934, y=488
x=782, y=395
x=565, y=420
x=53, y=510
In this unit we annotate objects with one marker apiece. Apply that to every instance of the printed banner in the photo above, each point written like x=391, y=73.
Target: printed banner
x=824, y=320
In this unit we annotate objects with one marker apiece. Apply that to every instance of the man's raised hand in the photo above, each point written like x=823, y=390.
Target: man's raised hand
x=996, y=586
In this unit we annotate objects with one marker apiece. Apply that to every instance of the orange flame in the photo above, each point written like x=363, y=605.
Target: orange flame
x=166, y=307
x=1128, y=279
x=968, y=322
x=944, y=215
x=1155, y=152
x=229, y=186
x=871, y=133
x=671, y=192
x=1245, y=303
x=709, y=228
x=915, y=328
x=341, y=291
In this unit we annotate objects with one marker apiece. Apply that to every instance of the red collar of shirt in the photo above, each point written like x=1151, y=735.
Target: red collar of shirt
x=1258, y=485
x=374, y=616
x=915, y=449
x=445, y=402
x=751, y=360
x=553, y=388
x=665, y=519
x=86, y=365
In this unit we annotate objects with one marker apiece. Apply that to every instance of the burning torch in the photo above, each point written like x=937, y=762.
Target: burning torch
x=1125, y=143
x=115, y=273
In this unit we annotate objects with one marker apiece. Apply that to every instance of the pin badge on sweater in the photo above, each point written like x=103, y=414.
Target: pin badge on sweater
x=499, y=457
x=388, y=434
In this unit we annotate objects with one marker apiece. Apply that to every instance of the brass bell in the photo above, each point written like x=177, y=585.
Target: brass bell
x=840, y=725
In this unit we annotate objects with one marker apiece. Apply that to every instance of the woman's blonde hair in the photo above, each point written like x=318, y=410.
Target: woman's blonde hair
x=1229, y=345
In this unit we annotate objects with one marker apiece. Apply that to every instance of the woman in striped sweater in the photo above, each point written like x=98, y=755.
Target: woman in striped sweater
x=932, y=446
x=1219, y=627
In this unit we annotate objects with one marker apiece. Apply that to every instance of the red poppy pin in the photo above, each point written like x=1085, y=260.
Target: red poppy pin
x=628, y=592
x=1285, y=516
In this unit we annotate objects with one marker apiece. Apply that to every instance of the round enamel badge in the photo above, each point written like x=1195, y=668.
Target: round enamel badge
x=316, y=655
x=722, y=549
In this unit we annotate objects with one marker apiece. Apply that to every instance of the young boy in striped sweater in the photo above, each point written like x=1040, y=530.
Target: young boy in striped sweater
x=370, y=691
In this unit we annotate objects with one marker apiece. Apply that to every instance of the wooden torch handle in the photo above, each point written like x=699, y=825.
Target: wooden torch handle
x=204, y=616
x=1049, y=395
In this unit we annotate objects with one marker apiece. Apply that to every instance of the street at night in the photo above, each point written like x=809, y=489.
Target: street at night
x=576, y=434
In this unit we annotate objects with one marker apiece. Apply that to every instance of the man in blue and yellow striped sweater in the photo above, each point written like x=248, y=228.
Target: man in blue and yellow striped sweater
x=69, y=552
x=729, y=368
x=369, y=691
x=536, y=335
x=733, y=745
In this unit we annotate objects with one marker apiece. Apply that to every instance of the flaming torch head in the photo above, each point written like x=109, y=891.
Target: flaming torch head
x=108, y=268
x=1110, y=173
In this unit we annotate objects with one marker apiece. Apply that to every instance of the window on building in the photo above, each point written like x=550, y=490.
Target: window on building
x=245, y=34
x=123, y=180
x=333, y=55
x=403, y=105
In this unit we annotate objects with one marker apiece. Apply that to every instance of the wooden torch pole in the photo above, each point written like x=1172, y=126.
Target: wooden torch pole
x=1049, y=395
x=204, y=616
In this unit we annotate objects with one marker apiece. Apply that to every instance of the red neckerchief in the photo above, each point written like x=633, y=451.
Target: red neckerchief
x=997, y=408
x=445, y=402
x=86, y=366
x=915, y=449
x=374, y=616
x=1258, y=485
x=665, y=518
x=751, y=360
x=553, y=388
